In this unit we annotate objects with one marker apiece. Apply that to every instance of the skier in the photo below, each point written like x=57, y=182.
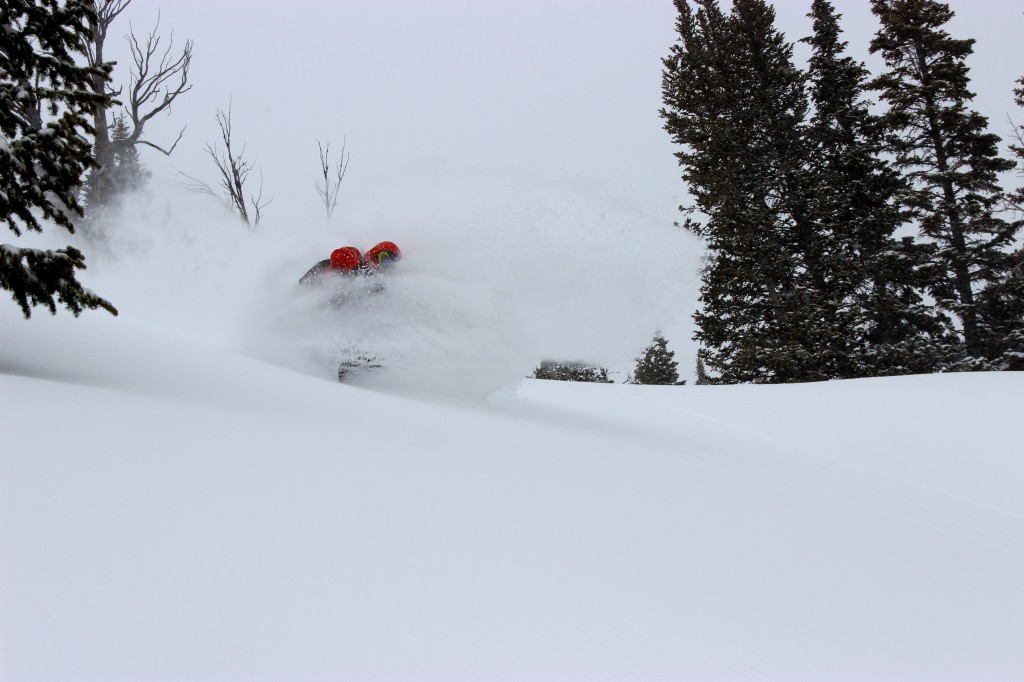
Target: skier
x=347, y=260
x=344, y=261
x=345, y=269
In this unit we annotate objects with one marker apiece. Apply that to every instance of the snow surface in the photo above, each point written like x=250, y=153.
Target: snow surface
x=187, y=494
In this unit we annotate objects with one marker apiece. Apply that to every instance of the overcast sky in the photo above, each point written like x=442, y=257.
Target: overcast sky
x=559, y=92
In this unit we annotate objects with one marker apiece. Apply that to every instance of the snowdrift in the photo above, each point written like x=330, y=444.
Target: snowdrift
x=174, y=508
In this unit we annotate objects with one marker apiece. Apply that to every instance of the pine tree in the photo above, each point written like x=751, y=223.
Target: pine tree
x=1017, y=147
x=44, y=101
x=942, y=146
x=881, y=326
x=123, y=172
x=701, y=373
x=1001, y=305
x=735, y=103
x=656, y=365
x=1002, y=302
x=130, y=175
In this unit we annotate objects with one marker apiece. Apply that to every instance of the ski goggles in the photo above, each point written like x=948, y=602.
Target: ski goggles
x=386, y=258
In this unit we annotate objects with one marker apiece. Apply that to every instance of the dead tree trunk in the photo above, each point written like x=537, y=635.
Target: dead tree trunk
x=332, y=177
x=234, y=170
x=157, y=79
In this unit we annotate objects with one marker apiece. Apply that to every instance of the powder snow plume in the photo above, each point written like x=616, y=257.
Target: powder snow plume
x=495, y=277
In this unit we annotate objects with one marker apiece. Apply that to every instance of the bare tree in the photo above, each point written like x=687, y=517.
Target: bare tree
x=105, y=14
x=158, y=77
x=234, y=172
x=332, y=177
x=157, y=80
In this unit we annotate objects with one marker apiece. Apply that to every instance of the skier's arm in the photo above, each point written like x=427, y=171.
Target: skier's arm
x=315, y=273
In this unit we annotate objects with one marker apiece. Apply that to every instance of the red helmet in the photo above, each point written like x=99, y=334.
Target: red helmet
x=383, y=255
x=346, y=259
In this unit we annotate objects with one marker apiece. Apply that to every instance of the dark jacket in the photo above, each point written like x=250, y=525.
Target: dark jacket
x=316, y=273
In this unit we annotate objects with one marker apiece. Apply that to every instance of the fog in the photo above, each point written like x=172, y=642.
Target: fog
x=483, y=293
x=514, y=152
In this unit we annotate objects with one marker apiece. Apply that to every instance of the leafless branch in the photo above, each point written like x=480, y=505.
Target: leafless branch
x=158, y=78
x=199, y=187
x=332, y=176
x=258, y=204
x=106, y=12
x=233, y=170
x=161, y=149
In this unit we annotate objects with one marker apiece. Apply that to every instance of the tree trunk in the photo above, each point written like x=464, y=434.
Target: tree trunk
x=958, y=264
x=101, y=136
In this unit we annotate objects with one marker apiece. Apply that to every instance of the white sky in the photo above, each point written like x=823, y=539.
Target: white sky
x=536, y=92
x=530, y=125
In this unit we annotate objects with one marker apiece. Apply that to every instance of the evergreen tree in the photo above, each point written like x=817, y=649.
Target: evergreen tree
x=736, y=105
x=1002, y=302
x=1001, y=305
x=656, y=365
x=867, y=277
x=44, y=151
x=702, y=375
x=130, y=175
x=1017, y=197
x=952, y=163
x=123, y=171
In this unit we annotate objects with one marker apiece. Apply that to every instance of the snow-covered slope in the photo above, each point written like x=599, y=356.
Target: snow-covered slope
x=172, y=508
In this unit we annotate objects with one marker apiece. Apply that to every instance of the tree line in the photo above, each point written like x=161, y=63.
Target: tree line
x=845, y=237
